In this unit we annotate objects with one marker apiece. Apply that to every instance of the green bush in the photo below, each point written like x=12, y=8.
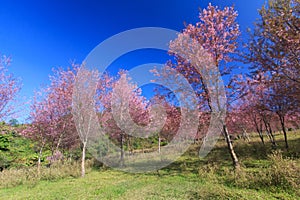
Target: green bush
x=16, y=151
x=4, y=163
x=4, y=142
x=282, y=173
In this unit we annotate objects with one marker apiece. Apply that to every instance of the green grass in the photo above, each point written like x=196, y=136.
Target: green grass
x=265, y=174
x=117, y=185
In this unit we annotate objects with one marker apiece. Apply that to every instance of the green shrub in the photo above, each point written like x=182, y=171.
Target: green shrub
x=4, y=142
x=282, y=173
x=4, y=162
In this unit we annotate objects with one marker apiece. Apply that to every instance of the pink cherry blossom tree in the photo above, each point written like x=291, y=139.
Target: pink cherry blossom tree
x=52, y=125
x=38, y=129
x=84, y=108
x=128, y=115
x=59, y=95
x=274, y=44
x=171, y=120
x=202, y=47
x=273, y=52
x=9, y=88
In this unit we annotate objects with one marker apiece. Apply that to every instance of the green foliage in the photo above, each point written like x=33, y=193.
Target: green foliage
x=13, y=122
x=16, y=151
x=4, y=143
x=4, y=163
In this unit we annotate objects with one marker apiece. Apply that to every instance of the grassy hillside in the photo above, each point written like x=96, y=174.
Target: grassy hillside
x=266, y=173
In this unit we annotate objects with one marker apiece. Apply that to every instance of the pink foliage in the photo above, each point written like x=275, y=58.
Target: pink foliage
x=51, y=119
x=216, y=31
x=9, y=87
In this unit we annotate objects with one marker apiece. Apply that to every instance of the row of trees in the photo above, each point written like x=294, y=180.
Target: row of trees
x=256, y=102
x=270, y=92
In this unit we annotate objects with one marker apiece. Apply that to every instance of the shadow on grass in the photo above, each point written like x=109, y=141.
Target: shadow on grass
x=252, y=155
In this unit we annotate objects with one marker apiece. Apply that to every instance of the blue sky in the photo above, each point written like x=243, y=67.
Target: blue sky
x=40, y=35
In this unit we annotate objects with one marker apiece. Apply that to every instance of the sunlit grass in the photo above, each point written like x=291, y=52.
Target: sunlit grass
x=266, y=173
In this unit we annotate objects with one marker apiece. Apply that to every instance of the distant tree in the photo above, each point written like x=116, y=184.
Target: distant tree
x=251, y=109
x=13, y=122
x=172, y=120
x=127, y=115
x=282, y=102
x=274, y=52
x=9, y=87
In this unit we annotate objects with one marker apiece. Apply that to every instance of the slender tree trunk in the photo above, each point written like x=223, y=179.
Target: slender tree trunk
x=225, y=131
x=261, y=137
x=159, y=142
x=58, y=142
x=270, y=138
x=39, y=160
x=122, y=151
x=245, y=135
x=259, y=131
x=108, y=145
x=269, y=134
x=129, y=144
x=83, y=160
x=230, y=147
x=284, y=130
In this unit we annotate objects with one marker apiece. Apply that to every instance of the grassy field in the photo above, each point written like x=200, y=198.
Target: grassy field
x=266, y=173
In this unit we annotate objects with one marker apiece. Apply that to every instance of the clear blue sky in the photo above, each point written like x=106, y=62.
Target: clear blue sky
x=40, y=35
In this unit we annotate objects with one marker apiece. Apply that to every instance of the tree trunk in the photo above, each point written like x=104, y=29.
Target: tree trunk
x=261, y=137
x=159, y=141
x=58, y=142
x=129, y=144
x=259, y=131
x=245, y=135
x=284, y=130
x=269, y=134
x=122, y=151
x=230, y=148
x=39, y=161
x=83, y=160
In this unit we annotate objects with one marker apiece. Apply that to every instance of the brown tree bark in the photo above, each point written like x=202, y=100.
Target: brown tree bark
x=284, y=130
